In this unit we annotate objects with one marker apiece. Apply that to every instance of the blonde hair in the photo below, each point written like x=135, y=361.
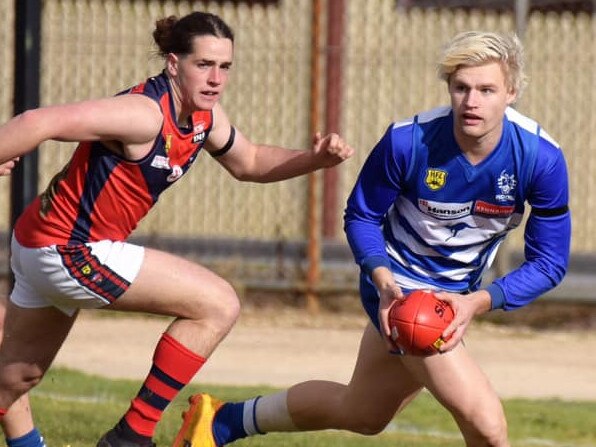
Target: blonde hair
x=474, y=48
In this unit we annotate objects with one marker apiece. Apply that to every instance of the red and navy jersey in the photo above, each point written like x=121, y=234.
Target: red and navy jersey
x=100, y=195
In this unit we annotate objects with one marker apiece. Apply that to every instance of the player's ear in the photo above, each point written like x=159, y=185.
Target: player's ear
x=511, y=96
x=172, y=62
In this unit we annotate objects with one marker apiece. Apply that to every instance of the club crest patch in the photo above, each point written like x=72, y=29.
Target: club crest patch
x=506, y=184
x=435, y=179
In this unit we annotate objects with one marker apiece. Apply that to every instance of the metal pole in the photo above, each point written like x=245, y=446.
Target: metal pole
x=503, y=262
x=335, y=27
x=23, y=185
x=522, y=9
x=314, y=237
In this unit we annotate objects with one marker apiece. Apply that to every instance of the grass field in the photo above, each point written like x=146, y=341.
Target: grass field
x=74, y=409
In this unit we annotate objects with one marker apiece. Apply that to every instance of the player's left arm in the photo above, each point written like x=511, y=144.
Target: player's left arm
x=261, y=163
x=547, y=241
x=547, y=236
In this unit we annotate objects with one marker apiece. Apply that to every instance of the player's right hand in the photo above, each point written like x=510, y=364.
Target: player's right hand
x=387, y=296
x=389, y=291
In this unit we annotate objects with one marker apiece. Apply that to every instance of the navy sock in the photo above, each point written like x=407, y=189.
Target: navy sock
x=125, y=431
x=228, y=424
x=31, y=439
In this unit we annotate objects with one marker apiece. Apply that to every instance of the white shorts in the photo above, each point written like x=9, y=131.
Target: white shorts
x=71, y=277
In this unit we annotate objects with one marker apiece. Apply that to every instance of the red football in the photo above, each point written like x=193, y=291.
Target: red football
x=417, y=322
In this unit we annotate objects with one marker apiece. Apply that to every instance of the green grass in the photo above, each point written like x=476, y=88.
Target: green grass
x=74, y=409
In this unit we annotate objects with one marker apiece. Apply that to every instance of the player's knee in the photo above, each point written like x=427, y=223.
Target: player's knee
x=489, y=427
x=225, y=307
x=369, y=428
x=367, y=425
x=16, y=383
x=494, y=431
x=231, y=303
x=367, y=422
x=230, y=313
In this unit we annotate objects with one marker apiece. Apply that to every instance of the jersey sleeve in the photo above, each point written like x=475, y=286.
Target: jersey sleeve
x=377, y=187
x=547, y=235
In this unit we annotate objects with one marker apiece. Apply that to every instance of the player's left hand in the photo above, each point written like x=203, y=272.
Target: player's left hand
x=331, y=149
x=465, y=308
x=7, y=167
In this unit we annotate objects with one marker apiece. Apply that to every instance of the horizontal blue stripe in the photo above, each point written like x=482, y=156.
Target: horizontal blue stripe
x=154, y=400
x=165, y=378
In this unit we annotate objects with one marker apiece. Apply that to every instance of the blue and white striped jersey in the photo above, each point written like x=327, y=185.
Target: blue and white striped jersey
x=422, y=209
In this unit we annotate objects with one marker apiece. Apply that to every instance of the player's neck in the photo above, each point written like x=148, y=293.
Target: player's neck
x=182, y=116
x=477, y=148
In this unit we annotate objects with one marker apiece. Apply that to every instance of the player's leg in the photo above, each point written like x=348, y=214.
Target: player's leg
x=205, y=306
x=18, y=421
x=32, y=337
x=459, y=385
x=380, y=387
x=17, y=424
x=18, y=427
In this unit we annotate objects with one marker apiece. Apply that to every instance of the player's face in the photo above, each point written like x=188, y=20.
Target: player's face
x=479, y=97
x=201, y=76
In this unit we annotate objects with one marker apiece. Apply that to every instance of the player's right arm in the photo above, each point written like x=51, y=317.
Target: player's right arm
x=133, y=120
x=389, y=291
x=376, y=189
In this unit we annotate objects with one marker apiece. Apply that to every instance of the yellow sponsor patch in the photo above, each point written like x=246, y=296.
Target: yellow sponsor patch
x=435, y=179
x=168, y=143
x=438, y=343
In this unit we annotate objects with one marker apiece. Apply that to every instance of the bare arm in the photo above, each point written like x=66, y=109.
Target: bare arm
x=133, y=120
x=264, y=163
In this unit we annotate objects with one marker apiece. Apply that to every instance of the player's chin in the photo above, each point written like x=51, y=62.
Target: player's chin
x=206, y=102
x=473, y=131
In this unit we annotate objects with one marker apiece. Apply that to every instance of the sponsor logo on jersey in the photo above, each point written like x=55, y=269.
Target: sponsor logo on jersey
x=490, y=209
x=198, y=137
x=435, y=179
x=199, y=132
x=91, y=273
x=160, y=162
x=442, y=210
x=175, y=175
x=86, y=270
x=456, y=228
x=506, y=183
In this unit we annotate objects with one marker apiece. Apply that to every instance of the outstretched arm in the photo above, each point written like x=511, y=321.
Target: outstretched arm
x=133, y=120
x=248, y=161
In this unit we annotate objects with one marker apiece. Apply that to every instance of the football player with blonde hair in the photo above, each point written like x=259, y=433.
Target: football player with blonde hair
x=476, y=47
x=434, y=200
